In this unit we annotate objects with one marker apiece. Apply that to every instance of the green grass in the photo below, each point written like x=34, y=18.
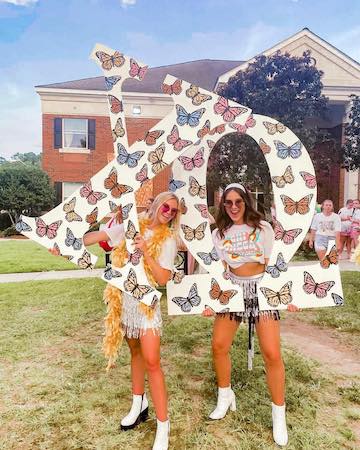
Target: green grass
x=27, y=256
x=56, y=394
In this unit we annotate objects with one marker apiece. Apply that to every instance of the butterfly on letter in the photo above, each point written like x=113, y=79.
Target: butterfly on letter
x=174, y=88
x=250, y=123
x=85, y=261
x=204, y=130
x=156, y=159
x=92, y=217
x=281, y=297
x=195, y=162
x=22, y=226
x=187, y=303
x=196, y=96
x=136, y=290
x=217, y=130
x=110, y=61
x=135, y=257
x=91, y=196
x=281, y=180
x=72, y=241
x=284, y=151
x=116, y=105
x=185, y=118
x=110, y=273
x=203, y=210
x=310, y=180
x=111, y=81
x=183, y=207
x=222, y=311
x=118, y=130
x=217, y=294
x=319, y=289
x=174, y=139
x=208, y=258
x=130, y=159
x=273, y=128
x=136, y=70
x=338, y=300
x=264, y=147
x=71, y=215
x=196, y=189
x=174, y=185
x=280, y=266
x=116, y=189
x=50, y=231
x=131, y=231
x=331, y=258
x=177, y=276
x=228, y=113
x=287, y=236
x=56, y=250
x=151, y=137
x=291, y=207
x=125, y=210
x=194, y=233
x=142, y=176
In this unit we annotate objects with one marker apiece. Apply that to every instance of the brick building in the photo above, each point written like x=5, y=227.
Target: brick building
x=77, y=138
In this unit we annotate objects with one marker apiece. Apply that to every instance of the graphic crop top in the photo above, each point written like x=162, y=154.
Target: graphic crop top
x=241, y=244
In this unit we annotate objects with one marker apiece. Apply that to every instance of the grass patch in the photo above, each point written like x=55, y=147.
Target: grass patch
x=57, y=395
x=19, y=256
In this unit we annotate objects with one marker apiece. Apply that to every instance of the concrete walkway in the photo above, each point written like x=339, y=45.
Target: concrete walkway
x=345, y=265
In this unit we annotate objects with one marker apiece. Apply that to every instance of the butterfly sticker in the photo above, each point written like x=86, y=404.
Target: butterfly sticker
x=338, y=300
x=223, y=311
x=135, y=257
x=211, y=144
x=217, y=294
x=217, y=130
x=191, y=119
x=50, y=231
x=118, y=130
x=208, y=258
x=136, y=290
x=250, y=123
x=130, y=159
x=113, y=206
x=284, y=151
x=331, y=258
x=280, y=266
x=264, y=147
x=110, y=61
x=174, y=88
x=136, y=70
x=155, y=157
x=116, y=189
x=72, y=241
x=110, y=273
x=203, y=210
x=319, y=289
x=131, y=231
x=56, y=250
x=287, y=177
x=196, y=189
x=111, y=81
x=71, y=215
x=287, y=236
x=310, y=180
x=228, y=113
x=281, y=297
x=151, y=137
x=142, y=176
x=116, y=105
x=91, y=196
x=174, y=185
x=187, y=303
x=291, y=207
x=196, y=96
x=195, y=162
x=174, y=139
x=177, y=276
x=183, y=207
x=22, y=226
x=126, y=210
x=204, y=130
x=273, y=128
x=194, y=233
x=85, y=261
x=93, y=216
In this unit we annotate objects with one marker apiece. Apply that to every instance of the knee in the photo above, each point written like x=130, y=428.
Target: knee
x=272, y=357
x=152, y=363
x=220, y=347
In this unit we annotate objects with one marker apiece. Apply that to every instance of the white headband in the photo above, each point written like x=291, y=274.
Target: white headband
x=235, y=185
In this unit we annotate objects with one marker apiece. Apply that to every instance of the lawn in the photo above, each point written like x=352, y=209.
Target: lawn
x=57, y=395
x=27, y=256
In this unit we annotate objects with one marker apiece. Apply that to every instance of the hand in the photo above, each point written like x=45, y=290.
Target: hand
x=140, y=243
x=311, y=243
x=293, y=308
x=208, y=312
x=53, y=251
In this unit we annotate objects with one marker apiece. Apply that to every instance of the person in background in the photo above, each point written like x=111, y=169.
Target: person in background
x=325, y=228
x=345, y=214
x=148, y=204
x=355, y=224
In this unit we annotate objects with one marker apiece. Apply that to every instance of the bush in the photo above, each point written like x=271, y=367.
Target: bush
x=10, y=231
x=5, y=221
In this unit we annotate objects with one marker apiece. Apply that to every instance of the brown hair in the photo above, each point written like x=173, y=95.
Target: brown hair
x=251, y=216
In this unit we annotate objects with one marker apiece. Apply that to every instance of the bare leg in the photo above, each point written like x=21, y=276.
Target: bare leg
x=321, y=254
x=137, y=367
x=223, y=336
x=268, y=331
x=150, y=346
x=342, y=244
x=348, y=246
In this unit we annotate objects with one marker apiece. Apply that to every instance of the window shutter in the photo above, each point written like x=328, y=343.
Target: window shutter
x=57, y=132
x=58, y=192
x=91, y=133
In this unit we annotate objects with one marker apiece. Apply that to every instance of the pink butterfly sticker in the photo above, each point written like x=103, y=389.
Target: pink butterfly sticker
x=319, y=289
x=202, y=210
x=175, y=141
x=250, y=123
x=228, y=113
x=50, y=231
x=136, y=70
x=142, y=175
x=91, y=196
x=310, y=180
x=196, y=161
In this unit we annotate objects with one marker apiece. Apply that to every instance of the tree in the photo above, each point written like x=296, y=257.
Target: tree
x=351, y=148
x=2, y=160
x=283, y=87
x=24, y=190
x=28, y=158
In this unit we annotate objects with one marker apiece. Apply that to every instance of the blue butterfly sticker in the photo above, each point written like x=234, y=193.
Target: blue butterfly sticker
x=130, y=159
x=175, y=184
x=22, y=226
x=111, y=81
x=185, y=118
x=280, y=266
x=284, y=151
x=72, y=241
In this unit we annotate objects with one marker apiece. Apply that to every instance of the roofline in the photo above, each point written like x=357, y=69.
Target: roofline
x=95, y=93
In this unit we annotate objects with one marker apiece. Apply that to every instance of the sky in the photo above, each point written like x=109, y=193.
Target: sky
x=49, y=41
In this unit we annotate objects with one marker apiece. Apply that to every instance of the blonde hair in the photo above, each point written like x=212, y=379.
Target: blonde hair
x=174, y=223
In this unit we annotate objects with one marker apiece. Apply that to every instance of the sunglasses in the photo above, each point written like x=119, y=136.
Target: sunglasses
x=165, y=208
x=229, y=204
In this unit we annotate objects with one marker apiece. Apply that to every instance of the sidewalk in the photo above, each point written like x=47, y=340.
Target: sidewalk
x=63, y=274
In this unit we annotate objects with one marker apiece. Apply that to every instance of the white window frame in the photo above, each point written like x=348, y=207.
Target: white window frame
x=78, y=185
x=74, y=149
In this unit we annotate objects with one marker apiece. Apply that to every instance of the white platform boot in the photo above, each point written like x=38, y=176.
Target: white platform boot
x=138, y=413
x=162, y=435
x=280, y=433
x=226, y=400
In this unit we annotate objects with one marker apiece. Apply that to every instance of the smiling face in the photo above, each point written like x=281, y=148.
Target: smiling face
x=167, y=211
x=234, y=207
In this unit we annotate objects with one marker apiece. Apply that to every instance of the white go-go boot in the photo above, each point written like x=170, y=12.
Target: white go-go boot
x=226, y=400
x=280, y=433
x=138, y=413
x=162, y=435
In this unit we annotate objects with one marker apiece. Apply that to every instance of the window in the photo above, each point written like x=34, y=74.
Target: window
x=136, y=110
x=69, y=188
x=75, y=133
x=259, y=200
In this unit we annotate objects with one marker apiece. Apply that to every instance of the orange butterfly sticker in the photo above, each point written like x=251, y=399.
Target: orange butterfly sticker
x=116, y=189
x=217, y=294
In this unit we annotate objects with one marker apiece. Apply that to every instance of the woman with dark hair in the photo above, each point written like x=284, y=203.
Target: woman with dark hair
x=244, y=242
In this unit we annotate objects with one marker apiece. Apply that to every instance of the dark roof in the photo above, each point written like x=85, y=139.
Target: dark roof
x=203, y=73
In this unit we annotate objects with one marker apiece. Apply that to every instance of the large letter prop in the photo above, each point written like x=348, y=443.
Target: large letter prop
x=181, y=137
